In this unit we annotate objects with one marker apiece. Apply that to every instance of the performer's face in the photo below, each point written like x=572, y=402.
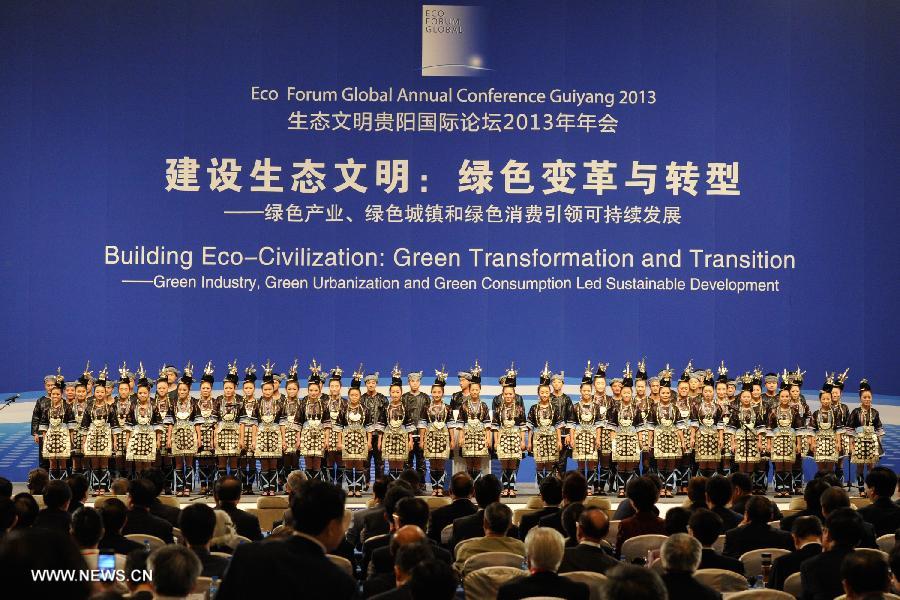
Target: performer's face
x=80, y=393
x=617, y=388
x=866, y=399
x=640, y=386
x=184, y=391
x=721, y=390
x=693, y=385
x=396, y=392
x=353, y=395
x=100, y=393
x=248, y=389
x=267, y=390
x=757, y=392
x=55, y=395
x=205, y=390
x=730, y=389
x=835, y=395
x=475, y=391
x=665, y=395
x=557, y=385
x=509, y=395
x=70, y=393
x=600, y=384
x=314, y=390
x=124, y=390
x=683, y=389
x=746, y=397
x=48, y=386
x=334, y=387
x=464, y=384
x=585, y=391
x=770, y=387
x=228, y=389
x=795, y=393
x=437, y=393
x=414, y=385
x=825, y=399
x=654, y=387
x=784, y=398
x=162, y=388
x=293, y=389
x=626, y=393
x=707, y=393
x=371, y=384
x=544, y=393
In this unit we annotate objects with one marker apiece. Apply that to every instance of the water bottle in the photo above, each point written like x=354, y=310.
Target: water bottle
x=147, y=545
x=758, y=584
x=213, y=588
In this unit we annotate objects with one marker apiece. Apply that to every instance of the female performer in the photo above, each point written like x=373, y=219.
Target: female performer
x=435, y=425
x=354, y=436
x=228, y=430
x=184, y=435
x=866, y=433
x=474, y=427
x=269, y=441
x=544, y=423
x=585, y=430
x=509, y=435
x=56, y=421
x=99, y=421
x=783, y=442
x=206, y=419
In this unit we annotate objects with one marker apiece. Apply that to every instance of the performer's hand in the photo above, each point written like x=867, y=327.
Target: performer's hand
x=523, y=446
x=559, y=445
x=369, y=447
x=37, y=439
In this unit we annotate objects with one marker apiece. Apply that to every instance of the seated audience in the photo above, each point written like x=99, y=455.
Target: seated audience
x=807, y=534
x=114, y=514
x=139, y=519
x=756, y=532
x=197, y=523
x=175, y=570
x=55, y=514
x=643, y=494
x=497, y=521
x=680, y=555
x=705, y=525
x=544, y=549
x=820, y=576
x=227, y=494
x=592, y=552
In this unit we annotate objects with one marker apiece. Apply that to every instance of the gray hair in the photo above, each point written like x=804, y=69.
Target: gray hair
x=681, y=553
x=294, y=479
x=544, y=548
x=175, y=570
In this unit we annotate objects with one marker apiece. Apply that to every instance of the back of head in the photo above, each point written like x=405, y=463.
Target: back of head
x=294, y=479
x=813, y=495
x=844, y=526
x=544, y=548
x=697, y=490
x=7, y=514
x=677, y=519
x=394, y=494
x=37, y=481
x=759, y=509
x=175, y=570
x=642, y=492
x=228, y=490
x=380, y=487
x=593, y=524
x=316, y=505
x=5, y=488
x=834, y=498
x=26, y=510
x=681, y=553
x=412, y=511
x=718, y=491
x=574, y=487
x=411, y=476
x=157, y=478
x=806, y=528
x=631, y=582
x=141, y=492
x=883, y=481
x=410, y=555
x=865, y=573
x=136, y=564
x=461, y=485
x=197, y=523
x=113, y=512
x=25, y=549
x=741, y=481
x=119, y=486
x=551, y=491
x=78, y=484
x=706, y=526
x=487, y=490
x=408, y=534
x=432, y=580
x=497, y=518
x=569, y=518
x=87, y=527
x=57, y=494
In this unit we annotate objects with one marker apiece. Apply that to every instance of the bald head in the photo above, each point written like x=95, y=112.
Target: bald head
x=408, y=534
x=593, y=525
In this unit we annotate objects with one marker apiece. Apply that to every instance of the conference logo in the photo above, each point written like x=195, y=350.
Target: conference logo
x=454, y=41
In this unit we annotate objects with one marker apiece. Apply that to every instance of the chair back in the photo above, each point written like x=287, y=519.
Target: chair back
x=886, y=542
x=639, y=545
x=719, y=544
x=491, y=559
x=598, y=502
x=722, y=580
x=760, y=594
x=521, y=512
x=169, y=501
x=201, y=586
x=884, y=555
x=446, y=534
x=143, y=538
x=484, y=584
x=612, y=533
x=345, y=565
x=793, y=586
x=753, y=560
x=224, y=555
x=594, y=581
x=535, y=502
x=434, y=502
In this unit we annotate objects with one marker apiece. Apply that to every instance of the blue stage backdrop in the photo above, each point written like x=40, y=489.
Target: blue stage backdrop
x=383, y=182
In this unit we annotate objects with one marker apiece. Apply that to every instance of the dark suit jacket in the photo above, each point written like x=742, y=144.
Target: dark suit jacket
x=544, y=584
x=213, y=566
x=785, y=566
x=710, y=559
x=683, y=585
x=279, y=568
x=787, y=523
x=883, y=514
x=467, y=527
x=754, y=536
x=141, y=521
x=820, y=575
x=374, y=524
x=245, y=524
x=383, y=562
x=398, y=593
x=164, y=511
x=357, y=523
x=586, y=557
x=445, y=515
x=730, y=519
x=118, y=543
x=639, y=524
x=532, y=519
x=52, y=518
x=554, y=521
x=73, y=506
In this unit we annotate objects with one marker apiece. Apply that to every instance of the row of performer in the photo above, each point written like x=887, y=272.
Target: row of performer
x=613, y=430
